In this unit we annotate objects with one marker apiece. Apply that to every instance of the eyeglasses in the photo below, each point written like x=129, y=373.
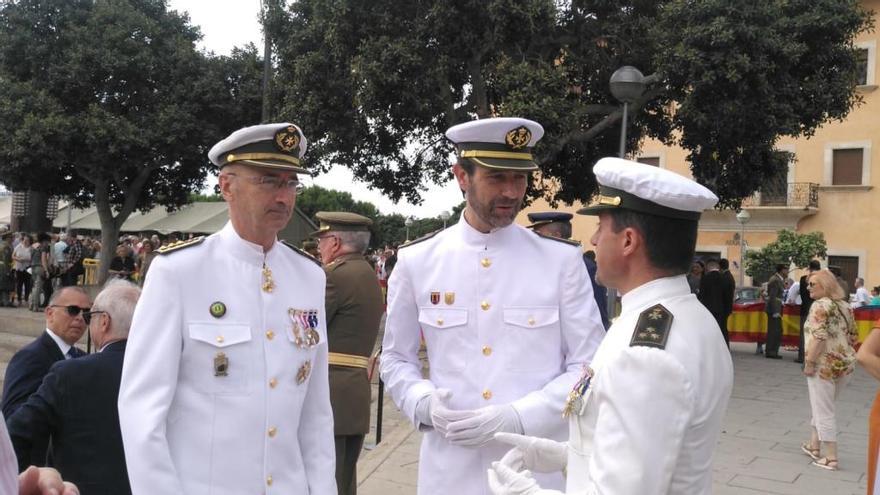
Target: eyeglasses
x=87, y=316
x=269, y=183
x=326, y=237
x=74, y=310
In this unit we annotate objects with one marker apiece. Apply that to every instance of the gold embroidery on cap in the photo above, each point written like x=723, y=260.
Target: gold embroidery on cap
x=518, y=138
x=287, y=138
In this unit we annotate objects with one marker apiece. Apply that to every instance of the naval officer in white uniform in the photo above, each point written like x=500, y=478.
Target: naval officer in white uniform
x=646, y=414
x=225, y=387
x=508, y=318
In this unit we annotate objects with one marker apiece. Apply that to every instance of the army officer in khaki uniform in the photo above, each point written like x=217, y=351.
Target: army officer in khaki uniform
x=354, y=307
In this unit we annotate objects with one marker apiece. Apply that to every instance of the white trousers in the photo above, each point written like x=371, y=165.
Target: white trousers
x=823, y=394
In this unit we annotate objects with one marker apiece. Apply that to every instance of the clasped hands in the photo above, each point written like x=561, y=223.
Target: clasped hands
x=468, y=428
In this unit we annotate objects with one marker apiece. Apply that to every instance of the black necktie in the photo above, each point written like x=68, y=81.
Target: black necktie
x=71, y=353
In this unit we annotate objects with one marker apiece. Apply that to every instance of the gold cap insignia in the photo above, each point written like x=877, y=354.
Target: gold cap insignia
x=287, y=139
x=519, y=137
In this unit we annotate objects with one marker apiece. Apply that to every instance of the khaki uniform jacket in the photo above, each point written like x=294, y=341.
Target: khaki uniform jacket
x=775, y=289
x=354, y=308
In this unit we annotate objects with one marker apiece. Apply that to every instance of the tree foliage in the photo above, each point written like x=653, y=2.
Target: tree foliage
x=109, y=102
x=789, y=247
x=377, y=83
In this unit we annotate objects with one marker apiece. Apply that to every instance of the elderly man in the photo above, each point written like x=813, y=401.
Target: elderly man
x=65, y=324
x=225, y=390
x=508, y=317
x=354, y=307
x=646, y=414
x=75, y=407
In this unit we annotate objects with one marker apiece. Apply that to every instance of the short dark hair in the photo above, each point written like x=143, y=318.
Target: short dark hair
x=780, y=267
x=724, y=264
x=590, y=254
x=815, y=265
x=670, y=242
x=468, y=166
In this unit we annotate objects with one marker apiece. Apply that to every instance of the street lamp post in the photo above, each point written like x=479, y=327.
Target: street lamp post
x=408, y=222
x=444, y=215
x=627, y=85
x=743, y=218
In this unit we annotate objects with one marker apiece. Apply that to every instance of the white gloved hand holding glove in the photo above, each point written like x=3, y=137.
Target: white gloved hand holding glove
x=540, y=455
x=433, y=411
x=477, y=428
x=506, y=481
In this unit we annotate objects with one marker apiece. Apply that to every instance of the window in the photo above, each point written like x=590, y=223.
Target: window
x=865, y=58
x=862, y=63
x=649, y=160
x=847, y=166
x=849, y=269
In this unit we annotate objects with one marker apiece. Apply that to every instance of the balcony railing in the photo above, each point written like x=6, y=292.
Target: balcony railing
x=795, y=195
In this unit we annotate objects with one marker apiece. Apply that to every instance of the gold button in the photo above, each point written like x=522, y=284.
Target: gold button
x=273, y=383
x=273, y=431
x=486, y=262
x=487, y=394
x=487, y=350
x=269, y=480
x=485, y=305
x=439, y=322
x=270, y=334
x=219, y=339
x=531, y=321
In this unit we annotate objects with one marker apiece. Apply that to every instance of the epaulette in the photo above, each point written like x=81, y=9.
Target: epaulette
x=559, y=239
x=652, y=329
x=300, y=251
x=420, y=239
x=177, y=246
x=334, y=264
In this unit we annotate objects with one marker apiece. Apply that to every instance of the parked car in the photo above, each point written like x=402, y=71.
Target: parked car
x=748, y=295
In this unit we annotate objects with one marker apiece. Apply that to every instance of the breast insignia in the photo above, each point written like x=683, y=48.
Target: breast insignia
x=300, y=251
x=652, y=329
x=558, y=239
x=177, y=246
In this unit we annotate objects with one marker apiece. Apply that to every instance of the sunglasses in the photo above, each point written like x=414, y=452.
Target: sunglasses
x=74, y=311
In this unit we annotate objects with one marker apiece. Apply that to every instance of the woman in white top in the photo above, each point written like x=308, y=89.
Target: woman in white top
x=21, y=257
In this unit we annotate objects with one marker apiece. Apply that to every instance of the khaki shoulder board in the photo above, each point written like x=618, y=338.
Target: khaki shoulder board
x=652, y=329
x=420, y=239
x=300, y=251
x=334, y=264
x=177, y=246
x=558, y=239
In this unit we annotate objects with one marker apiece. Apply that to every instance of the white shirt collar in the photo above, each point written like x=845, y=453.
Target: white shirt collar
x=64, y=346
x=652, y=292
x=243, y=249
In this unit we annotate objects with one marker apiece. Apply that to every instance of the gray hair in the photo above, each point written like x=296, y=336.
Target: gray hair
x=355, y=241
x=118, y=298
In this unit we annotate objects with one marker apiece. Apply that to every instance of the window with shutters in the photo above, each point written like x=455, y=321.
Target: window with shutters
x=847, y=167
x=866, y=57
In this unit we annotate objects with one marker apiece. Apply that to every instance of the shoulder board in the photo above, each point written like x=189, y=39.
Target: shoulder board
x=652, y=329
x=558, y=239
x=177, y=246
x=303, y=253
x=334, y=264
x=420, y=239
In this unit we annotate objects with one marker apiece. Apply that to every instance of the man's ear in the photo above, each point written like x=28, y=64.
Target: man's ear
x=225, y=186
x=461, y=176
x=632, y=241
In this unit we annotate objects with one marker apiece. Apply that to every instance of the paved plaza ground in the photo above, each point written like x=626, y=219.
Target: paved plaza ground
x=758, y=452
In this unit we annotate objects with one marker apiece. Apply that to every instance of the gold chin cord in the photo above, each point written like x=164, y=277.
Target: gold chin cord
x=268, y=283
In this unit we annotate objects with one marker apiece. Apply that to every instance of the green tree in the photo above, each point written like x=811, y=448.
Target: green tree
x=789, y=247
x=316, y=198
x=380, y=81
x=109, y=102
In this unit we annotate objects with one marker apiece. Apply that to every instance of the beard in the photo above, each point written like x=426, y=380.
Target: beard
x=496, y=213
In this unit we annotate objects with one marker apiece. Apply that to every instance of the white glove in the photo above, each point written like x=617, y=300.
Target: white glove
x=478, y=428
x=540, y=455
x=433, y=411
x=506, y=481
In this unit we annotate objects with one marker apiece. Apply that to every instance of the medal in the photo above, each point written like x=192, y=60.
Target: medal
x=268, y=283
x=217, y=309
x=221, y=364
x=575, y=400
x=304, y=324
x=303, y=372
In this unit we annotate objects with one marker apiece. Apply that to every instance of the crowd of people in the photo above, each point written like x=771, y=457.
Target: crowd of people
x=242, y=364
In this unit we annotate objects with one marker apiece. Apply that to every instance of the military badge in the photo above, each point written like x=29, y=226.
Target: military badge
x=218, y=309
x=518, y=138
x=287, y=139
x=305, y=323
x=652, y=329
x=449, y=298
x=268, y=283
x=221, y=364
x=575, y=400
x=304, y=371
x=435, y=297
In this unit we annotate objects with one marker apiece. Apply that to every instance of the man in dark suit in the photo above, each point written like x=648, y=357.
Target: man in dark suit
x=729, y=294
x=775, y=291
x=712, y=294
x=806, y=302
x=354, y=307
x=75, y=407
x=65, y=324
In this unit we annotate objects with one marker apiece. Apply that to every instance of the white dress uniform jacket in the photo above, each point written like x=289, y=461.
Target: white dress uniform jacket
x=651, y=417
x=260, y=429
x=508, y=317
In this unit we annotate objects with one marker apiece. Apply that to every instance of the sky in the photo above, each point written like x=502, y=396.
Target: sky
x=226, y=24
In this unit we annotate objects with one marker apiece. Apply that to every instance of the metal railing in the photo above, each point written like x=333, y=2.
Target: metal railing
x=795, y=194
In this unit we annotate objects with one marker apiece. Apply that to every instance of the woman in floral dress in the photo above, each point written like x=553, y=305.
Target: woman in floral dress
x=829, y=335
